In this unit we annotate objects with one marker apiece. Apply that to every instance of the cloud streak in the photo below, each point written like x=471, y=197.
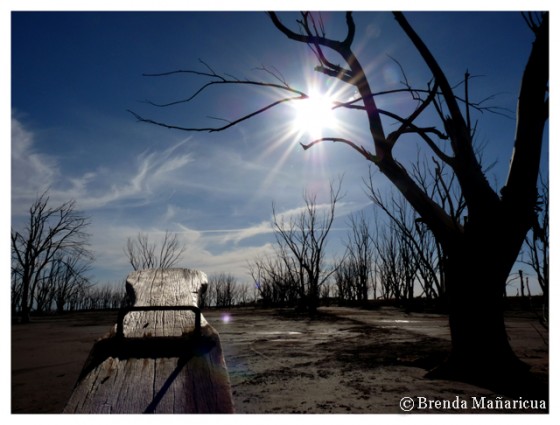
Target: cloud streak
x=34, y=172
x=220, y=210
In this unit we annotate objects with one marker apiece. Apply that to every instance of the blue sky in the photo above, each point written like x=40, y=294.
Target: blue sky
x=74, y=75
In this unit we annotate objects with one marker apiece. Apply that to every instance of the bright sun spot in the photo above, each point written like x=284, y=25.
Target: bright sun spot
x=314, y=115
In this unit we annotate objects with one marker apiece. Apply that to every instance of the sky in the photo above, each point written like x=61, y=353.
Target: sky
x=76, y=75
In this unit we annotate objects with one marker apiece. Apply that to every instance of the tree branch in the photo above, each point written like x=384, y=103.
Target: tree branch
x=479, y=195
x=436, y=70
x=406, y=124
x=216, y=129
x=532, y=114
x=315, y=39
x=223, y=81
x=365, y=153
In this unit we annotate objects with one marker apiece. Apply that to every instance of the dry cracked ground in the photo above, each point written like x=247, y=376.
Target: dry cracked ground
x=342, y=361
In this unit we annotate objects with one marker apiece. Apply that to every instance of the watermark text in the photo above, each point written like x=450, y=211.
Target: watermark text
x=495, y=404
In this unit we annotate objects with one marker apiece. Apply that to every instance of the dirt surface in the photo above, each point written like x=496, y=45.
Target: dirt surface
x=343, y=361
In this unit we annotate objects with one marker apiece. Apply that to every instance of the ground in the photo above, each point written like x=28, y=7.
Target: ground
x=345, y=360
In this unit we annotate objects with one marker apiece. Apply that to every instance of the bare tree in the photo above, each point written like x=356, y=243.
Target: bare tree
x=244, y=295
x=360, y=250
x=345, y=281
x=144, y=254
x=537, y=242
x=497, y=223
x=68, y=278
x=302, y=239
x=415, y=238
x=395, y=264
x=44, y=295
x=354, y=273
x=537, y=246
x=98, y=296
x=275, y=279
x=206, y=297
x=106, y=296
x=387, y=264
x=51, y=233
x=225, y=289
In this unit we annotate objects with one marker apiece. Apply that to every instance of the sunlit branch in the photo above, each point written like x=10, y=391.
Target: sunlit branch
x=316, y=38
x=475, y=105
x=326, y=67
x=340, y=73
x=222, y=80
x=337, y=46
x=215, y=129
x=277, y=75
x=364, y=152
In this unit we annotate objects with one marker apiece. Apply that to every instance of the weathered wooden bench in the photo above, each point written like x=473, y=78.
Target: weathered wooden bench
x=162, y=356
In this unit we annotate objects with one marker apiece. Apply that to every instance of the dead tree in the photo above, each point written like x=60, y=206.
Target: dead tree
x=414, y=238
x=303, y=239
x=70, y=279
x=143, y=254
x=537, y=242
x=395, y=263
x=358, y=260
x=225, y=289
x=498, y=221
x=275, y=279
x=51, y=233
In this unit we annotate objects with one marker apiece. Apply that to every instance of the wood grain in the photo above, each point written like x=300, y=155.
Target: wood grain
x=159, y=366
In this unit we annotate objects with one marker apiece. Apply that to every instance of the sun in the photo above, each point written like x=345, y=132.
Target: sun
x=314, y=115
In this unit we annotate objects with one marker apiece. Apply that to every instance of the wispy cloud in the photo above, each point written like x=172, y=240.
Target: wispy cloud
x=151, y=172
x=32, y=171
x=224, y=236
x=219, y=209
x=200, y=249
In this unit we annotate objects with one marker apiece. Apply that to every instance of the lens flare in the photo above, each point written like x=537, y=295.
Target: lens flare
x=314, y=115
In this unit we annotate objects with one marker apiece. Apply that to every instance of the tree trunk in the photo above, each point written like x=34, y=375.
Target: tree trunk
x=25, y=308
x=476, y=320
x=60, y=305
x=25, y=314
x=476, y=270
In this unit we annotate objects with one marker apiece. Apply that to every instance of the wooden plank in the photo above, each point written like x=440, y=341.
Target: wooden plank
x=159, y=366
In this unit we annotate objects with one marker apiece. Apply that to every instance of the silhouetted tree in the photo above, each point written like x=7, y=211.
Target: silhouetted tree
x=225, y=289
x=144, y=254
x=354, y=274
x=537, y=242
x=394, y=262
x=99, y=296
x=345, y=281
x=414, y=237
x=243, y=295
x=68, y=278
x=206, y=297
x=492, y=236
x=275, y=279
x=302, y=239
x=51, y=233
